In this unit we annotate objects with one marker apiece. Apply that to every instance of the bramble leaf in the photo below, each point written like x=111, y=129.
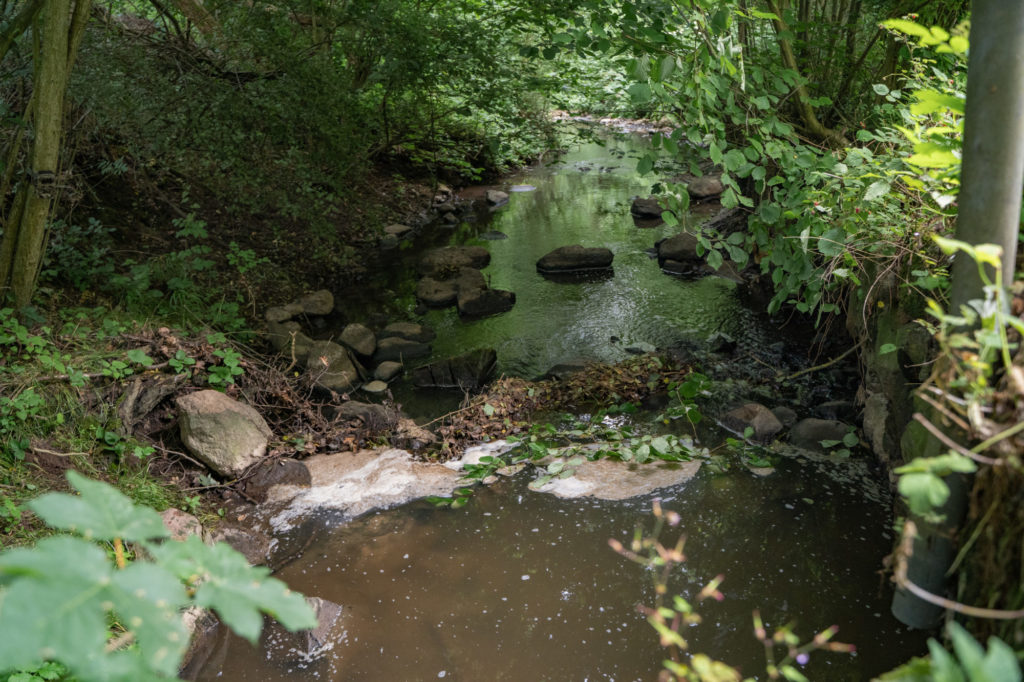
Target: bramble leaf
x=237, y=591
x=100, y=512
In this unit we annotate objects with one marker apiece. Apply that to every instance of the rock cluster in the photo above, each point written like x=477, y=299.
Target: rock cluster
x=451, y=276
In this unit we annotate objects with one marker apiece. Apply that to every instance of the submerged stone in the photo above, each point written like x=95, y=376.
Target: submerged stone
x=447, y=261
x=356, y=483
x=470, y=371
x=608, y=479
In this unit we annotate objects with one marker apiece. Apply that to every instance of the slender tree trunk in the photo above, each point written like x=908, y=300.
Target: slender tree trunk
x=24, y=239
x=806, y=111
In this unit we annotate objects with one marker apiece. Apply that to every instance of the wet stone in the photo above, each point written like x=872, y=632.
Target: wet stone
x=647, y=209
x=575, y=258
x=436, y=294
x=754, y=416
x=317, y=303
x=612, y=480
x=375, y=387
x=398, y=231
x=485, y=302
x=387, y=371
x=410, y=331
x=681, y=248
x=809, y=433
x=397, y=349
x=360, y=339
x=705, y=187
x=496, y=197
x=447, y=261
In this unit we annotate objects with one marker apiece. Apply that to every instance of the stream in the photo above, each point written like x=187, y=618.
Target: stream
x=521, y=585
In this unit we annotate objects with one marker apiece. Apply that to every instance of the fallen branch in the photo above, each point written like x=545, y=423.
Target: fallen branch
x=823, y=365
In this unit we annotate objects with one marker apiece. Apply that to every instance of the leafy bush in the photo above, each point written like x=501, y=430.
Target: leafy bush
x=66, y=600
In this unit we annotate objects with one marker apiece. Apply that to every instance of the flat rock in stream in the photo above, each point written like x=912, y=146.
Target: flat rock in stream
x=608, y=479
x=646, y=209
x=356, y=483
x=485, y=302
x=681, y=248
x=409, y=330
x=397, y=349
x=575, y=258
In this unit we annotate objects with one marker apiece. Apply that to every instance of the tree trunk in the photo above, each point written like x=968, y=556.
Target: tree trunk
x=24, y=239
x=806, y=111
x=989, y=213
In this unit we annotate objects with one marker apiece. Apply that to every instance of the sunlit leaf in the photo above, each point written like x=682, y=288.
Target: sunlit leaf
x=99, y=512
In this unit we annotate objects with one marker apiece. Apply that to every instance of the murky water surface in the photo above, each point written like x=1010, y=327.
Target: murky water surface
x=523, y=586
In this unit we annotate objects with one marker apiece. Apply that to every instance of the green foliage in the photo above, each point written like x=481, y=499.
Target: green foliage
x=921, y=480
x=60, y=596
x=968, y=662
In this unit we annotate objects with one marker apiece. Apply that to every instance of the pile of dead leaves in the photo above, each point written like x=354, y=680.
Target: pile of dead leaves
x=508, y=405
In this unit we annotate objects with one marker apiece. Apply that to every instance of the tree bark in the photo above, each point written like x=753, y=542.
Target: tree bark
x=24, y=239
x=992, y=174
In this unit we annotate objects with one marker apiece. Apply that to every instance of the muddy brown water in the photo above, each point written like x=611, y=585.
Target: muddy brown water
x=520, y=585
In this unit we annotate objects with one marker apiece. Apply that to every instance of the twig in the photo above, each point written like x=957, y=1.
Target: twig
x=905, y=550
x=950, y=443
x=60, y=454
x=166, y=451
x=964, y=426
x=824, y=364
x=1012, y=431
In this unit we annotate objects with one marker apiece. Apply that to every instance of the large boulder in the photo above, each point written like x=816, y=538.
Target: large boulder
x=484, y=302
x=575, y=258
x=332, y=367
x=446, y=262
x=646, y=209
x=360, y=339
x=470, y=371
x=222, y=433
x=764, y=424
x=681, y=248
x=397, y=349
x=410, y=331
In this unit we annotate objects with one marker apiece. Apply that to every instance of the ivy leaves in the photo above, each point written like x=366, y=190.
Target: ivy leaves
x=61, y=596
